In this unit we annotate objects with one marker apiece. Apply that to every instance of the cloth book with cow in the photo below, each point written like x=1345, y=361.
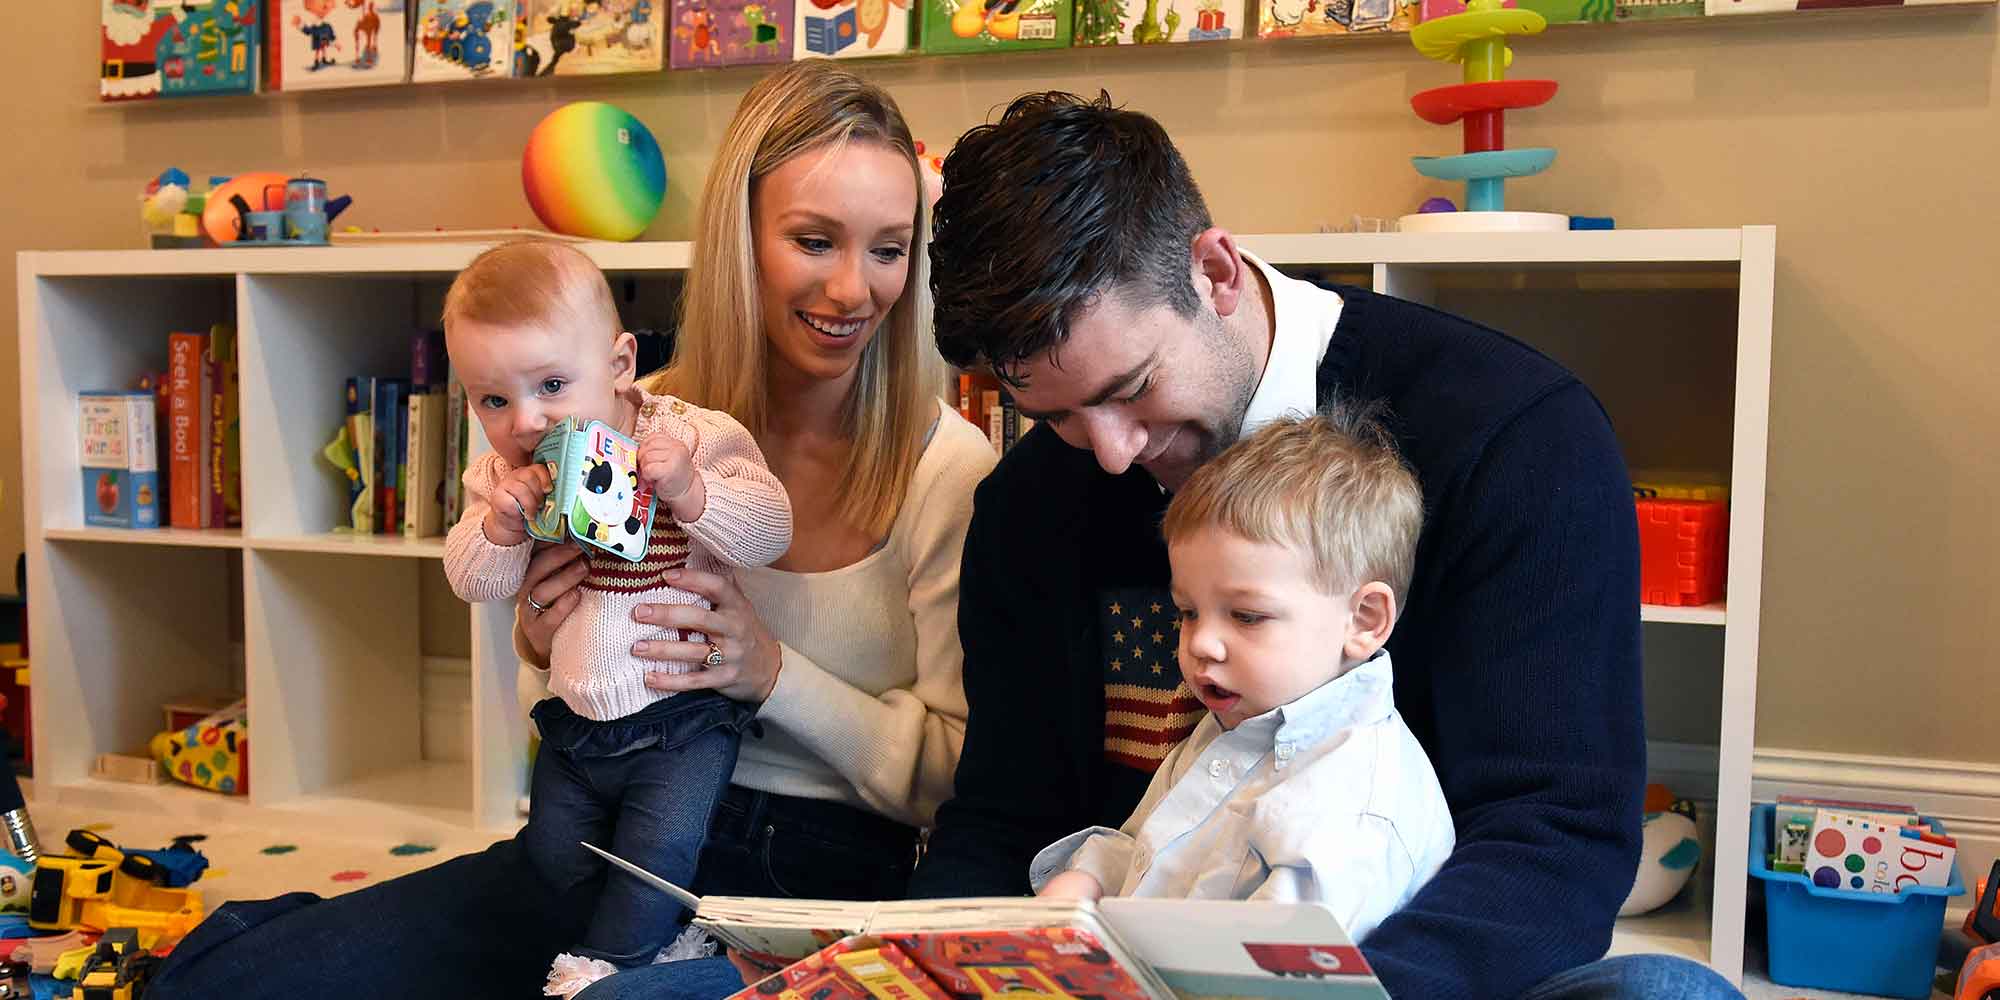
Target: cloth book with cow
x=597, y=498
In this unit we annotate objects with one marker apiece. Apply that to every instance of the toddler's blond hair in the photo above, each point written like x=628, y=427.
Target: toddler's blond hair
x=532, y=283
x=1331, y=485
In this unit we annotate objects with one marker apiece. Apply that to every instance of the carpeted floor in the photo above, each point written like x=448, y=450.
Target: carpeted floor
x=253, y=864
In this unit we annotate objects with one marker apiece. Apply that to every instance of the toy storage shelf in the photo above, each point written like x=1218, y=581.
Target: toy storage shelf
x=342, y=543
x=1706, y=614
x=331, y=629
x=222, y=539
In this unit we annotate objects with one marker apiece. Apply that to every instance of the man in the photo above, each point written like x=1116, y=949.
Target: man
x=1073, y=256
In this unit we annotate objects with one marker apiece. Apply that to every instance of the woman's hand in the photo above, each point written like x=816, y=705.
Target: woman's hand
x=551, y=582
x=750, y=655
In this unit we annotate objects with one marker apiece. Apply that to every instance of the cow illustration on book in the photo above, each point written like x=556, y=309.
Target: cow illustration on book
x=610, y=507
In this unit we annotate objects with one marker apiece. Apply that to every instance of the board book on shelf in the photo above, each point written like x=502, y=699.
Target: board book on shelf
x=979, y=26
x=423, y=475
x=190, y=428
x=1113, y=949
x=151, y=48
x=565, y=37
x=225, y=458
x=323, y=44
x=730, y=32
x=121, y=477
x=463, y=40
x=852, y=29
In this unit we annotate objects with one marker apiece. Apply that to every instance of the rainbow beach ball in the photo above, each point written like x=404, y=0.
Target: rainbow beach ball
x=592, y=170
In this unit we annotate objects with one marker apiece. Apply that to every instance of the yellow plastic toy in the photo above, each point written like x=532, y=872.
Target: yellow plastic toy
x=69, y=964
x=110, y=889
x=213, y=753
x=118, y=968
x=62, y=884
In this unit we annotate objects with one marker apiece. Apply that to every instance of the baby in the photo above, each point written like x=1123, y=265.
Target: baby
x=1291, y=555
x=534, y=337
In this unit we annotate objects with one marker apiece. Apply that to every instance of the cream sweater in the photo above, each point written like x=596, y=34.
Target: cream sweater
x=747, y=521
x=868, y=709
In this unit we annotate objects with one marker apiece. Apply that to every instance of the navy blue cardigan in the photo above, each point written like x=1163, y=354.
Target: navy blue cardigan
x=1517, y=655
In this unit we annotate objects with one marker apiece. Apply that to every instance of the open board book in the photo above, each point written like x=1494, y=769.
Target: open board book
x=1049, y=949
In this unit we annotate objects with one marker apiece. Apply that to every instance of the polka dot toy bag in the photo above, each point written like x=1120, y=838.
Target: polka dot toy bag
x=213, y=753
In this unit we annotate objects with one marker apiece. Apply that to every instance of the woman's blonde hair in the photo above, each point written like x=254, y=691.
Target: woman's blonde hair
x=1331, y=485
x=721, y=354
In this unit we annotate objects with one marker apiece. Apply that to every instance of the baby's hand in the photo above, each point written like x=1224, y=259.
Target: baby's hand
x=516, y=498
x=1074, y=884
x=666, y=466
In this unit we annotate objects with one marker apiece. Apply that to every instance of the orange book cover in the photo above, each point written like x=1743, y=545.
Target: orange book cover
x=889, y=974
x=814, y=977
x=188, y=430
x=225, y=482
x=1044, y=962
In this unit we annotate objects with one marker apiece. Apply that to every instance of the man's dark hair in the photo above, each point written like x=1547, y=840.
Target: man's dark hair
x=1060, y=201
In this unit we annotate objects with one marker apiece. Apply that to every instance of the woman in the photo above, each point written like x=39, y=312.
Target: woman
x=805, y=318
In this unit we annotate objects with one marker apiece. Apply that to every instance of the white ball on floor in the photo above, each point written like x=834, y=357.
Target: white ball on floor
x=1666, y=860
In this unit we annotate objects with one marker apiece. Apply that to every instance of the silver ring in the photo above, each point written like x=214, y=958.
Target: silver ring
x=714, y=658
x=537, y=605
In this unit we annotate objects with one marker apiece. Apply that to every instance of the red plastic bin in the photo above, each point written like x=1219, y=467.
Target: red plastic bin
x=1683, y=551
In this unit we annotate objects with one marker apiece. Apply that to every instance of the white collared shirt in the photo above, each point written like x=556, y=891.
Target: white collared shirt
x=1328, y=799
x=1303, y=316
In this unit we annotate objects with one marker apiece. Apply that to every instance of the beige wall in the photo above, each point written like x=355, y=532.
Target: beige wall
x=1868, y=139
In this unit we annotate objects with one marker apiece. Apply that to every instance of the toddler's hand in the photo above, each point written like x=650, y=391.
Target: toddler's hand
x=516, y=498
x=1072, y=885
x=666, y=466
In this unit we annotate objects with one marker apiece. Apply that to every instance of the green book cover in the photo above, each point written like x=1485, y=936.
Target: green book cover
x=995, y=25
x=597, y=498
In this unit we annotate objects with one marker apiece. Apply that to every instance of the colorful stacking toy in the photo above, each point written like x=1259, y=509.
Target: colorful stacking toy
x=1477, y=40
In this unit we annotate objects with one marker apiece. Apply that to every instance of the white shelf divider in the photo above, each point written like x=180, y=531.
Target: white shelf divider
x=1748, y=454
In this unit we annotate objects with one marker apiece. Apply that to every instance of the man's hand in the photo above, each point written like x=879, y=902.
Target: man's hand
x=516, y=498
x=1073, y=884
x=666, y=467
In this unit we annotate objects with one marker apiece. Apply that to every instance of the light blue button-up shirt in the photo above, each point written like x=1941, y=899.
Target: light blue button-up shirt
x=1328, y=799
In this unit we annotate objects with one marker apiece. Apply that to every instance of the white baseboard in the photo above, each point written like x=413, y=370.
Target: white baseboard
x=1964, y=796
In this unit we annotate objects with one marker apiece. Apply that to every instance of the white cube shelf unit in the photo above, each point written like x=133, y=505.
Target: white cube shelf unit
x=1672, y=329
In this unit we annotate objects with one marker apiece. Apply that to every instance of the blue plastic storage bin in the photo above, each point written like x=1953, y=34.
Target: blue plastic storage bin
x=1840, y=939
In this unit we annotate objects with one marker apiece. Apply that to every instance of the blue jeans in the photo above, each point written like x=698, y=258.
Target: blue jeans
x=643, y=787
x=1632, y=977
x=486, y=925
x=1629, y=977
